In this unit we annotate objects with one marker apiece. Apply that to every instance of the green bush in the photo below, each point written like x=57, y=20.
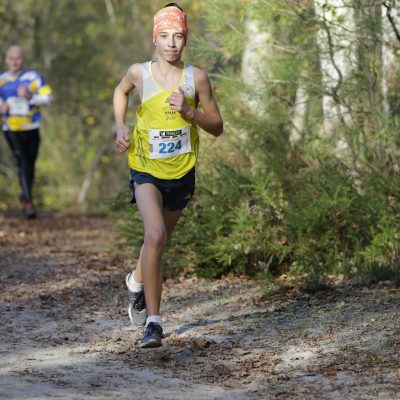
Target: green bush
x=382, y=253
x=327, y=222
x=317, y=222
x=267, y=205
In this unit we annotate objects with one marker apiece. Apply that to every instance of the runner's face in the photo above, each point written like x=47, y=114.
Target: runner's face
x=170, y=44
x=14, y=59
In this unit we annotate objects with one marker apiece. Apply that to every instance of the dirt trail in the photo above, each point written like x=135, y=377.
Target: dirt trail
x=65, y=333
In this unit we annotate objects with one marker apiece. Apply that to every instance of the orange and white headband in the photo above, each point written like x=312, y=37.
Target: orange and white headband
x=170, y=18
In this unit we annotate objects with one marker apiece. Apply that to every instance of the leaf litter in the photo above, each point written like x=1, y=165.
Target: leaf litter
x=65, y=331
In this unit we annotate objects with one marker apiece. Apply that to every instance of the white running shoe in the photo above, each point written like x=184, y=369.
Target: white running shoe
x=137, y=306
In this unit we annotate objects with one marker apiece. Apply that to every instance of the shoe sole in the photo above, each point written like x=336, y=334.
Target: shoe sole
x=29, y=215
x=151, y=344
x=138, y=318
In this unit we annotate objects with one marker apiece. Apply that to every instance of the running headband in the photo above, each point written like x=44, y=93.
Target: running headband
x=170, y=18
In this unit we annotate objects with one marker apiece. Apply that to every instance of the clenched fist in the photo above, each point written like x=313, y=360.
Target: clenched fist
x=122, y=140
x=178, y=102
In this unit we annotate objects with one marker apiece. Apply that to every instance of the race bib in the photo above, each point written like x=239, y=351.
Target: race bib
x=169, y=143
x=18, y=106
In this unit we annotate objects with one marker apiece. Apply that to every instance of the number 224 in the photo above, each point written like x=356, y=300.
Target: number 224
x=170, y=147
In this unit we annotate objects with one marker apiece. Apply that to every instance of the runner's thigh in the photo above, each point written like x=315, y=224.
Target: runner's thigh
x=150, y=205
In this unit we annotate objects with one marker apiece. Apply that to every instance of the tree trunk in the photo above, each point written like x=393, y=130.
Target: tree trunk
x=337, y=57
x=390, y=63
x=254, y=72
x=299, y=113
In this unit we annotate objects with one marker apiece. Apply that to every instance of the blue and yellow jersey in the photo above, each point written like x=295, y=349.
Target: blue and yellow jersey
x=23, y=114
x=164, y=144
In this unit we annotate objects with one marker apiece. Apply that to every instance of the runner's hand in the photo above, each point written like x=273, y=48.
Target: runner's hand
x=4, y=107
x=24, y=92
x=178, y=102
x=122, y=140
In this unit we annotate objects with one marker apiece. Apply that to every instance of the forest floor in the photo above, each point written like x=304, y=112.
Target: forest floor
x=65, y=332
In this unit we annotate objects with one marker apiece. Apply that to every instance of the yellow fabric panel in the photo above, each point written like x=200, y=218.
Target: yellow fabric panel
x=156, y=113
x=33, y=86
x=16, y=123
x=45, y=90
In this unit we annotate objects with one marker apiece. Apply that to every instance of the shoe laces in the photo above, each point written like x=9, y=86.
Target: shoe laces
x=137, y=300
x=153, y=328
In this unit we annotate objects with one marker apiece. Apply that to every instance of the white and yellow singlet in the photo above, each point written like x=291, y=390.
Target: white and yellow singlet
x=164, y=144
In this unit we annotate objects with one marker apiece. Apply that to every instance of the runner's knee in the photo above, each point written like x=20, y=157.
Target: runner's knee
x=156, y=238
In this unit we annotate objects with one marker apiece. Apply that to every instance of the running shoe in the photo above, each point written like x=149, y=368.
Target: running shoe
x=28, y=209
x=152, y=336
x=137, y=306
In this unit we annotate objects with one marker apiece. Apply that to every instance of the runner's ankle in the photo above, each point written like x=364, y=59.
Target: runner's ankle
x=154, y=318
x=133, y=285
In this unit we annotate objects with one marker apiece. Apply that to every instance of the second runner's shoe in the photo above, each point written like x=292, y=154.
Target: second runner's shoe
x=28, y=210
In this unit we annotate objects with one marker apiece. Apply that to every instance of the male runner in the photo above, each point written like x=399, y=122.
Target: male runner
x=22, y=92
x=162, y=154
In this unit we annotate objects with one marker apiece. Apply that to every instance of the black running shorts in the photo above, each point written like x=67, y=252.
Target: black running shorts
x=176, y=193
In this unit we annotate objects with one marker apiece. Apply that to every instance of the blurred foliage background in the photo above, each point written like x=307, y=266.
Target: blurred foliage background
x=82, y=48
x=304, y=183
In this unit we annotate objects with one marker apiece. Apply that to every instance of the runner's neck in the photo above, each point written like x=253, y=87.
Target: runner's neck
x=167, y=75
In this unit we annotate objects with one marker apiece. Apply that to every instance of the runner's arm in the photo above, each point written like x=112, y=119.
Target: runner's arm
x=120, y=103
x=210, y=118
x=39, y=92
x=3, y=105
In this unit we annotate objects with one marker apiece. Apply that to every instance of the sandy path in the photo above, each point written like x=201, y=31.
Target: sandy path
x=64, y=331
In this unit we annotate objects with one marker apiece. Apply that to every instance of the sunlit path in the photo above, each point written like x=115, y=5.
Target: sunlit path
x=65, y=332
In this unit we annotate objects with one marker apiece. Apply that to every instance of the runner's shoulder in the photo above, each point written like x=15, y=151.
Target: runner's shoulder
x=135, y=69
x=29, y=75
x=4, y=77
x=134, y=73
x=200, y=76
x=200, y=72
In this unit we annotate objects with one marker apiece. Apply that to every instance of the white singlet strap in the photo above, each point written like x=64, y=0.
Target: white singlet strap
x=149, y=87
x=188, y=85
